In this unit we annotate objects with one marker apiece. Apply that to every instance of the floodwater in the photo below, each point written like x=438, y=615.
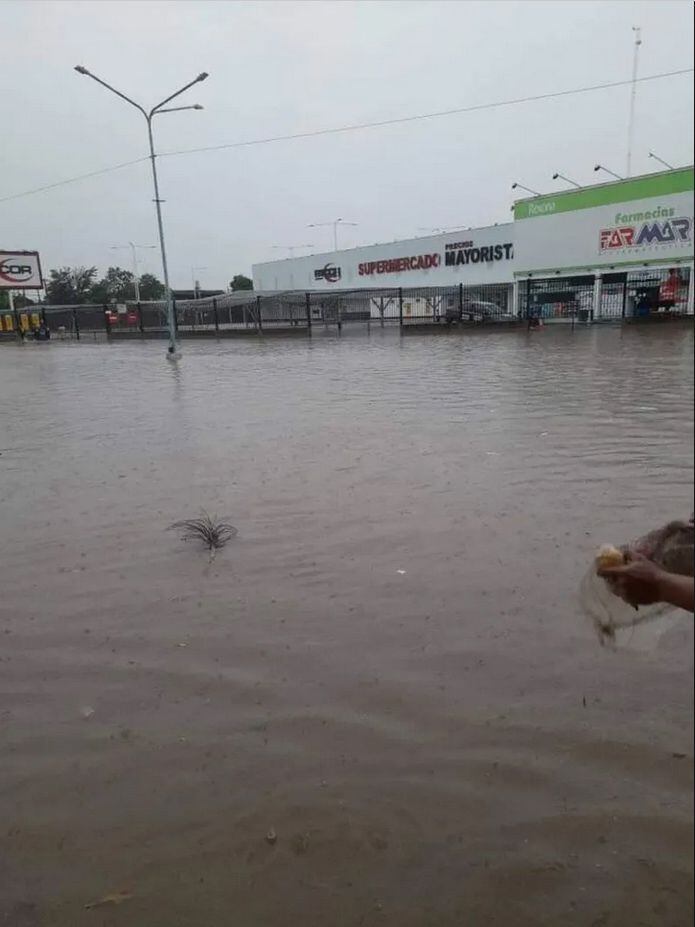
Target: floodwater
x=387, y=668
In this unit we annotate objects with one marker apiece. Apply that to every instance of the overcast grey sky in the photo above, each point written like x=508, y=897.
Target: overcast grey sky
x=295, y=66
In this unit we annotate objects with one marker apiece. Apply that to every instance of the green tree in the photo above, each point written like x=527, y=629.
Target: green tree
x=240, y=282
x=115, y=287
x=151, y=287
x=70, y=285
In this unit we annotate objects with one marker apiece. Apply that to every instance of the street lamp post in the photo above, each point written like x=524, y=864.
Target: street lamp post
x=156, y=110
x=335, y=224
x=136, y=276
x=558, y=176
x=193, y=272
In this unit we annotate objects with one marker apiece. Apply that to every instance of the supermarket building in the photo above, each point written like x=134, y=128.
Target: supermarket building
x=609, y=251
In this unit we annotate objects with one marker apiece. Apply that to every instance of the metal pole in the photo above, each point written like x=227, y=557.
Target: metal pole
x=217, y=318
x=75, y=323
x=307, y=299
x=400, y=306
x=171, y=317
x=140, y=322
x=107, y=324
x=136, y=281
x=633, y=94
x=259, y=320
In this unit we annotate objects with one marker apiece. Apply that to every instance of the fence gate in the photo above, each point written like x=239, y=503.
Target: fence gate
x=613, y=297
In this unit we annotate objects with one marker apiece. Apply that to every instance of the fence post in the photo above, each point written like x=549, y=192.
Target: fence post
x=259, y=320
x=141, y=325
x=43, y=317
x=400, y=306
x=624, y=307
x=460, y=302
x=528, y=297
x=107, y=324
x=176, y=320
x=217, y=318
x=75, y=322
x=308, y=310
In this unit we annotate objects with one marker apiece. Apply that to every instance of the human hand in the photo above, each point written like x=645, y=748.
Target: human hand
x=638, y=582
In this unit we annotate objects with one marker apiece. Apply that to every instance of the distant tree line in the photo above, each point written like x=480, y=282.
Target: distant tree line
x=77, y=285
x=70, y=286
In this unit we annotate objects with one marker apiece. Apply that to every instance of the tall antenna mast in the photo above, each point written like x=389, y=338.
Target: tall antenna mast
x=633, y=93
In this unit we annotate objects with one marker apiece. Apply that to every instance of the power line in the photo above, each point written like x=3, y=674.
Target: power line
x=435, y=115
x=62, y=183
x=353, y=128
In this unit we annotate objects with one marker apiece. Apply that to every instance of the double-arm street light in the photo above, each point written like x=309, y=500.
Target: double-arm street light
x=290, y=248
x=136, y=276
x=156, y=110
x=335, y=224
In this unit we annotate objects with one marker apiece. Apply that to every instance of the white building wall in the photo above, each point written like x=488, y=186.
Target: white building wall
x=471, y=256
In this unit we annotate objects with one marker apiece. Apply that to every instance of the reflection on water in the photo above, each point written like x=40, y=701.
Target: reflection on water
x=387, y=666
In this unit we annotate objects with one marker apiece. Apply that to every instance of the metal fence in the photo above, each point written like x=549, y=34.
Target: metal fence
x=262, y=312
x=645, y=293
x=582, y=298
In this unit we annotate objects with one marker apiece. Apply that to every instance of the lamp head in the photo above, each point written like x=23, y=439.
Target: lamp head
x=202, y=75
x=81, y=69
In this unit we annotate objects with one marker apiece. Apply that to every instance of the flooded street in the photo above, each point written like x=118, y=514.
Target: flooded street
x=387, y=667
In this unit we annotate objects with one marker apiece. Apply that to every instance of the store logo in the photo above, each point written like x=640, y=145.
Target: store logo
x=400, y=265
x=329, y=272
x=541, y=209
x=671, y=231
x=463, y=252
x=14, y=272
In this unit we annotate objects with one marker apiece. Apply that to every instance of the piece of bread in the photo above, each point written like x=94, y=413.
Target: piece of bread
x=609, y=556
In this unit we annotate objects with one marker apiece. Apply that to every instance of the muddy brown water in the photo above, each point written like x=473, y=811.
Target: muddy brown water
x=387, y=667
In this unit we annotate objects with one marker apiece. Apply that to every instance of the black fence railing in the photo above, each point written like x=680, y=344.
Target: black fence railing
x=646, y=293
x=258, y=312
x=583, y=298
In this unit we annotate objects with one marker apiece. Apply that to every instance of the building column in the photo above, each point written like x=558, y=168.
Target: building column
x=691, y=290
x=596, y=304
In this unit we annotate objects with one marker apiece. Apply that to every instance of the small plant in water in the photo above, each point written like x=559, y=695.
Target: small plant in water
x=210, y=530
